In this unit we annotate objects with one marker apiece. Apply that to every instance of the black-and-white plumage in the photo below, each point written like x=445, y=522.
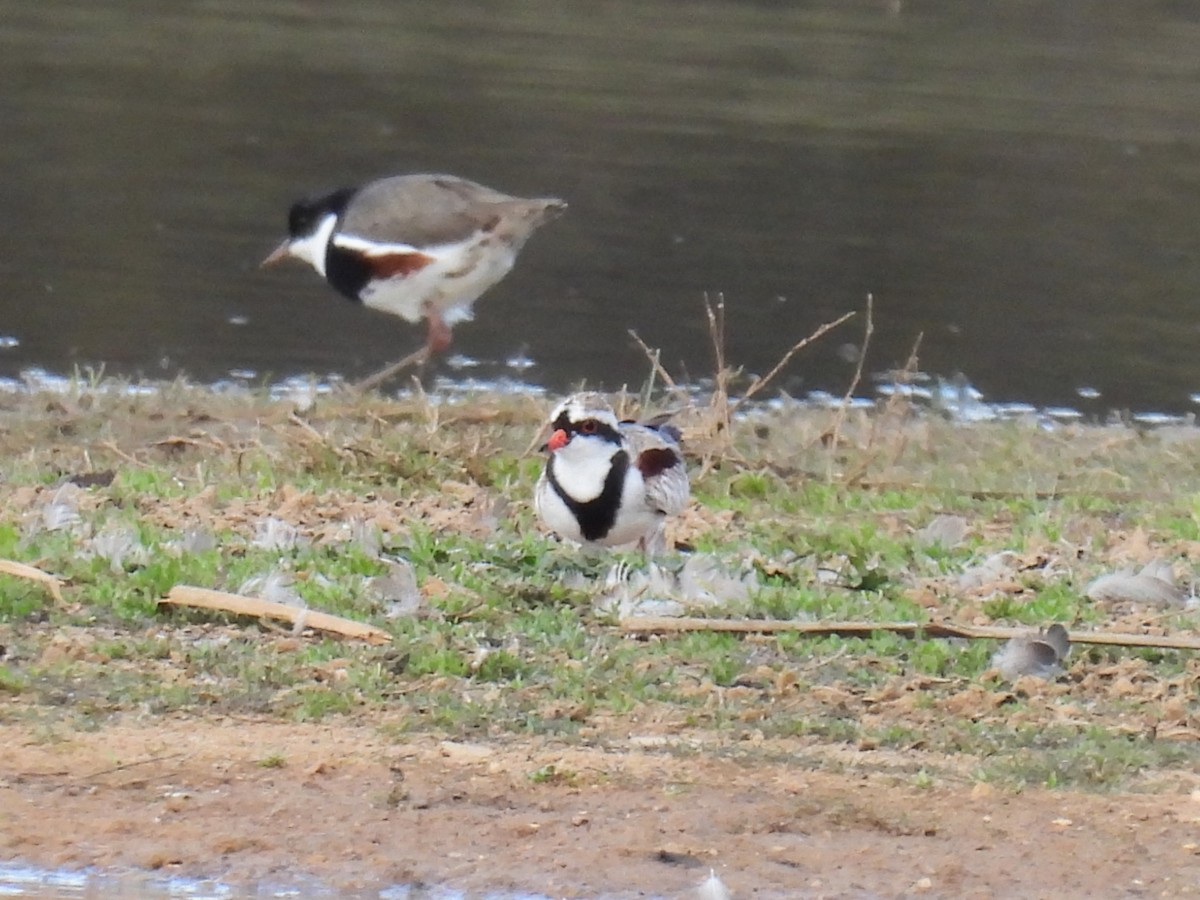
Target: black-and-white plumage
x=608, y=482
x=417, y=246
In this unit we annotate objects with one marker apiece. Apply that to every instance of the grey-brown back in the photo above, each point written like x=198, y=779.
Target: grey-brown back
x=430, y=210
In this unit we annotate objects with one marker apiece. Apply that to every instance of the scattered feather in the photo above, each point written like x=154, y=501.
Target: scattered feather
x=713, y=888
x=273, y=533
x=398, y=590
x=198, y=540
x=628, y=592
x=276, y=587
x=491, y=513
x=60, y=512
x=1038, y=653
x=120, y=546
x=657, y=591
x=363, y=535
x=996, y=567
x=946, y=532
x=1153, y=585
x=194, y=540
x=704, y=582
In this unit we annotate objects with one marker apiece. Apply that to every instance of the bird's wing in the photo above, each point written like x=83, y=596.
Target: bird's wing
x=425, y=211
x=417, y=211
x=657, y=455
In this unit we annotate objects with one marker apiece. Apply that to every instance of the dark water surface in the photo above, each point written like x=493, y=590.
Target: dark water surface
x=1018, y=181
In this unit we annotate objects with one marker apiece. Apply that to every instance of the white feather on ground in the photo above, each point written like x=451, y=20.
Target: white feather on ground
x=1153, y=585
x=119, y=545
x=942, y=531
x=193, y=540
x=713, y=888
x=1039, y=653
x=995, y=568
x=276, y=586
x=398, y=590
x=272, y=533
x=60, y=512
x=362, y=535
x=702, y=582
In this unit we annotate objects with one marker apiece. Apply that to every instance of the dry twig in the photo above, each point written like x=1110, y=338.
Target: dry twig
x=52, y=583
x=186, y=595
x=761, y=381
x=894, y=410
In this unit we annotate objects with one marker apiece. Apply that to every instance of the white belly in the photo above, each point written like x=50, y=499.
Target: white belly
x=450, y=284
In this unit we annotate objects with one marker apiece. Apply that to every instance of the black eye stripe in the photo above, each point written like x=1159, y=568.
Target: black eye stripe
x=598, y=427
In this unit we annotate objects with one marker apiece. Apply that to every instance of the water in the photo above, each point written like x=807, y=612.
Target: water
x=35, y=883
x=1015, y=182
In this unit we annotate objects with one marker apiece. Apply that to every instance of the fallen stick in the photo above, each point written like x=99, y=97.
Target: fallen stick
x=186, y=595
x=664, y=625
x=52, y=583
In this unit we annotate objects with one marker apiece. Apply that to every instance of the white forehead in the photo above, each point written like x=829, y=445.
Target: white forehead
x=585, y=406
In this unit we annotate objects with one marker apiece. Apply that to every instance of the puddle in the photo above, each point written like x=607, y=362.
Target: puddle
x=20, y=880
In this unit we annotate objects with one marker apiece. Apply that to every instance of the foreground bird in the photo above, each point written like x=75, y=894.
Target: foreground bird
x=416, y=246
x=608, y=482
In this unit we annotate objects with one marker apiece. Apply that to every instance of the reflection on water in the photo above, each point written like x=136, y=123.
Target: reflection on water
x=1012, y=182
x=34, y=883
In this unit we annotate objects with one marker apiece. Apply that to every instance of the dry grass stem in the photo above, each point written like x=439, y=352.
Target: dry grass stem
x=840, y=416
x=762, y=381
x=656, y=365
x=895, y=410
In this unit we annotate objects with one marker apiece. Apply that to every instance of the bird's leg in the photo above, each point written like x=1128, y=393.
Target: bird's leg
x=655, y=543
x=416, y=358
x=439, y=332
x=437, y=340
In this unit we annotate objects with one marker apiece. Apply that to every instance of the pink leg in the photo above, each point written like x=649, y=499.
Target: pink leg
x=439, y=333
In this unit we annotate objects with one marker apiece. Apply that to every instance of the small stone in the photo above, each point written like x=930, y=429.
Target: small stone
x=464, y=753
x=982, y=791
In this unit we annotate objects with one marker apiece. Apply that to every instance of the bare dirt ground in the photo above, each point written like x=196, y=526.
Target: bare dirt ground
x=356, y=810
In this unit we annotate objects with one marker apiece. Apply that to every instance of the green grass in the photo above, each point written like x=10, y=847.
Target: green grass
x=508, y=640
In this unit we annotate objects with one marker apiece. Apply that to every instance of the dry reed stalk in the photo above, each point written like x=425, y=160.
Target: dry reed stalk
x=895, y=410
x=717, y=419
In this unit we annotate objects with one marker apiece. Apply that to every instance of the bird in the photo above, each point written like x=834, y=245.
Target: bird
x=608, y=482
x=416, y=246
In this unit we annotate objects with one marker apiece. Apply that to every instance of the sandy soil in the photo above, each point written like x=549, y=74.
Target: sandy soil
x=644, y=819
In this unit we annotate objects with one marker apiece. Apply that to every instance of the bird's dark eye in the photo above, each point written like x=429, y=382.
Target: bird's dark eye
x=300, y=218
x=588, y=426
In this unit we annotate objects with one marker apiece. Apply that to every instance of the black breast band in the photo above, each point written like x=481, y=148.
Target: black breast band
x=597, y=516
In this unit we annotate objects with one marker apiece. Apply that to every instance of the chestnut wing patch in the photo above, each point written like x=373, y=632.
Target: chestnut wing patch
x=656, y=460
x=397, y=264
